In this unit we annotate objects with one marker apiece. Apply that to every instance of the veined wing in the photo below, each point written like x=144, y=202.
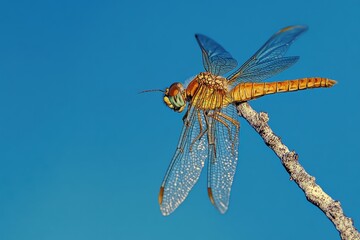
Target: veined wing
x=186, y=164
x=215, y=58
x=222, y=156
x=269, y=59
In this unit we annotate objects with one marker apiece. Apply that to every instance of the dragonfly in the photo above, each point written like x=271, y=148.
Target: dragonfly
x=210, y=126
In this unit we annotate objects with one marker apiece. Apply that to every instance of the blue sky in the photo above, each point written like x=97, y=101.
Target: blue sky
x=82, y=154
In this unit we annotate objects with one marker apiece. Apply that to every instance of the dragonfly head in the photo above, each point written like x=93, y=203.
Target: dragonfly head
x=175, y=97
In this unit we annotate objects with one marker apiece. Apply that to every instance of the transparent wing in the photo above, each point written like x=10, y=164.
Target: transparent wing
x=269, y=60
x=186, y=164
x=223, y=157
x=215, y=58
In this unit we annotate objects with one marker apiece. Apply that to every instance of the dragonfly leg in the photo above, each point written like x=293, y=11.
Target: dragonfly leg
x=211, y=135
x=201, y=132
x=219, y=116
x=185, y=118
x=216, y=117
x=233, y=121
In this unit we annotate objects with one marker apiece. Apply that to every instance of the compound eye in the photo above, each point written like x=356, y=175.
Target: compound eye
x=175, y=97
x=175, y=89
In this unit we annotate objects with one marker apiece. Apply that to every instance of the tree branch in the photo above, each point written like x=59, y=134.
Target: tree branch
x=306, y=182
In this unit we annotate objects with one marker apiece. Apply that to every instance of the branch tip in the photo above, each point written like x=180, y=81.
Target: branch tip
x=290, y=160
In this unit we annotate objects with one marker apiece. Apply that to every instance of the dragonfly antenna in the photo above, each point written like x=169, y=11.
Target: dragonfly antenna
x=152, y=90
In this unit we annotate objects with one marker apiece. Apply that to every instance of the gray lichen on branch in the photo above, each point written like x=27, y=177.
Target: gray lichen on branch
x=289, y=159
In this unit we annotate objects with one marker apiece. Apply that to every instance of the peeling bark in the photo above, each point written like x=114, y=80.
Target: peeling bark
x=289, y=159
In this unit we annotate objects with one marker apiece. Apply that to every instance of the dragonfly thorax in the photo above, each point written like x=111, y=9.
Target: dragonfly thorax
x=208, y=91
x=212, y=81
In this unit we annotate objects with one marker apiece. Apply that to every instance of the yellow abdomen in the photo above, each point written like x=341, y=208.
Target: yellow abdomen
x=247, y=91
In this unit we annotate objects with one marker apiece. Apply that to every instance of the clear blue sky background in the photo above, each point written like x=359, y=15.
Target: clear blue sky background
x=82, y=154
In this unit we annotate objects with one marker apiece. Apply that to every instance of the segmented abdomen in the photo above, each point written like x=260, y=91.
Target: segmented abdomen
x=247, y=91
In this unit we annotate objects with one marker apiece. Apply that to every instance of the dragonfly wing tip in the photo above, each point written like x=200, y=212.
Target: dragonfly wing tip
x=161, y=195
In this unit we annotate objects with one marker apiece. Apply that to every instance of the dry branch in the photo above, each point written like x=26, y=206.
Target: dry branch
x=306, y=182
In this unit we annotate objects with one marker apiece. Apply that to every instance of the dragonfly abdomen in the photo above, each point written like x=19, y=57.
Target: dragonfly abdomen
x=247, y=91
